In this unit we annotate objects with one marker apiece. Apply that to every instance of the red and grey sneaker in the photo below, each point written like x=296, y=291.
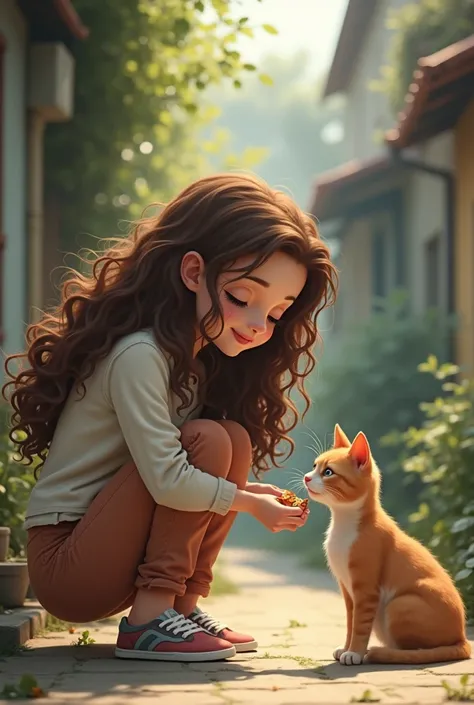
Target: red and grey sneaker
x=170, y=637
x=242, y=642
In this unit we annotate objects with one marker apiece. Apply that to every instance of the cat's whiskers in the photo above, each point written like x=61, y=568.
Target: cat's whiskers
x=296, y=479
x=296, y=472
x=318, y=446
x=296, y=484
x=313, y=450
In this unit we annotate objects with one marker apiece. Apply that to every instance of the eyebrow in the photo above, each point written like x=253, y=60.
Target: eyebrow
x=266, y=284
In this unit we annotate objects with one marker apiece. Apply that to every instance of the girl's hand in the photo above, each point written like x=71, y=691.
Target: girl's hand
x=275, y=516
x=262, y=488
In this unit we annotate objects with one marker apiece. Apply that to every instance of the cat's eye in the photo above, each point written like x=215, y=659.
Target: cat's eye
x=328, y=472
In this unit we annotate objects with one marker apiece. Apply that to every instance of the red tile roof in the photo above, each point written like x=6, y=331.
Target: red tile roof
x=331, y=188
x=442, y=86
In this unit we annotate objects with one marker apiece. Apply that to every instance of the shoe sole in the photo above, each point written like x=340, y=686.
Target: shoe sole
x=249, y=646
x=176, y=655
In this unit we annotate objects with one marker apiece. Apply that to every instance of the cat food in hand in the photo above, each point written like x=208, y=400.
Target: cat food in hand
x=289, y=499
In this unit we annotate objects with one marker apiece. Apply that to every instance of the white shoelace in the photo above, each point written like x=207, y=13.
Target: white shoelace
x=180, y=626
x=209, y=623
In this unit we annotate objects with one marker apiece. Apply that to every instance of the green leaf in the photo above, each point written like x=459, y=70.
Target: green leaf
x=181, y=27
x=250, y=67
x=199, y=5
x=266, y=79
x=27, y=683
x=247, y=31
x=270, y=29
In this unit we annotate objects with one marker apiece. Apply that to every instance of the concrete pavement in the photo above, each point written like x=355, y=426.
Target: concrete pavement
x=297, y=617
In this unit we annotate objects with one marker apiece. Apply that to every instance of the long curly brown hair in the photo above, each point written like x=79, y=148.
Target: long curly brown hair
x=136, y=284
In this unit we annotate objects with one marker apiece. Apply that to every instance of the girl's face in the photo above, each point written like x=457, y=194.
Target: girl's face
x=251, y=306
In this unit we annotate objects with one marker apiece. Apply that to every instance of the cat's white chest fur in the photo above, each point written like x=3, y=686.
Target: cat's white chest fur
x=340, y=537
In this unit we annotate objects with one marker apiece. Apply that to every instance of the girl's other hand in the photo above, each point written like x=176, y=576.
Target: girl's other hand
x=262, y=488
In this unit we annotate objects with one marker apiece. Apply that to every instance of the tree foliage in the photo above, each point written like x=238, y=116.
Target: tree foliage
x=421, y=29
x=288, y=121
x=441, y=453
x=368, y=381
x=139, y=77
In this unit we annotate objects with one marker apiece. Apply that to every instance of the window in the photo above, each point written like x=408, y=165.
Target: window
x=379, y=265
x=432, y=272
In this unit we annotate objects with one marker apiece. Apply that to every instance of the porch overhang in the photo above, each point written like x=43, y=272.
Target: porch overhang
x=53, y=20
x=341, y=188
x=442, y=87
x=355, y=27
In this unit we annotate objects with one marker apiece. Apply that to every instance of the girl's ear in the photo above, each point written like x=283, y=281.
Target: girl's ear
x=340, y=438
x=192, y=270
x=360, y=451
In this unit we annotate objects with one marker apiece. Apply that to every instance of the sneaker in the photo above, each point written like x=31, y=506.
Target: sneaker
x=242, y=642
x=170, y=637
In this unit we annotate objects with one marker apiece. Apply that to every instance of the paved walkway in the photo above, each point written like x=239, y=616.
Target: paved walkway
x=297, y=617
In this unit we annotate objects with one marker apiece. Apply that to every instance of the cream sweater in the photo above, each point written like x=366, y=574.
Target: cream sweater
x=128, y=413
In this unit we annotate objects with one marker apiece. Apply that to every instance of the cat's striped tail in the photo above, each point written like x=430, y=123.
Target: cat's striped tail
x=383, y=654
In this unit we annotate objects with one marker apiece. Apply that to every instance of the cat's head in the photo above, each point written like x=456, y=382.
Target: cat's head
x=344, y=475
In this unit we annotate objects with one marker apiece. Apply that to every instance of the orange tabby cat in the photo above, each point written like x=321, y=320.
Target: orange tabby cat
x=390, y=583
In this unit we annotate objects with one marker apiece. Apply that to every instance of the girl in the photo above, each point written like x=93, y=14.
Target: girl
x=147, y=396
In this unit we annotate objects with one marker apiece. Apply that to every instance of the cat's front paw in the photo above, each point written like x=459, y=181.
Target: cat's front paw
x=337, y=653
x=351, y=658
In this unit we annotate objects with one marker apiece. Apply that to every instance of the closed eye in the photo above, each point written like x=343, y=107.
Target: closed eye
x=234, y=300
x=242, y=304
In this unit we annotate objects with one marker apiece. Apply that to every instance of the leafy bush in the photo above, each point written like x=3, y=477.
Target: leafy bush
x=441, y=453
x=368, y=380
x=420, y=29
x=16, y=482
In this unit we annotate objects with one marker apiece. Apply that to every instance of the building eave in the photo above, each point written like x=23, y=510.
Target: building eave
x=442, y=86
x=53, y=20
x=349, y=46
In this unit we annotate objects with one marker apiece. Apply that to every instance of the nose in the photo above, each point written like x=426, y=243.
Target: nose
x=258, y=326
x=307, y=479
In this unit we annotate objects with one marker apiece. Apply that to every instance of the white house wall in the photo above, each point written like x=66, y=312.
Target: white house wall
x=13, y=29
x=368, y=113
x=427, y=217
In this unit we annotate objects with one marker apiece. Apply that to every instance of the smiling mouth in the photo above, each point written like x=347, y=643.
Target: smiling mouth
x=312, y=493
x=241, y=338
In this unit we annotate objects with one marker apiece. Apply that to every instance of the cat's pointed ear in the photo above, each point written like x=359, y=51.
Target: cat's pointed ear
x=340, y=438
x=360, y=451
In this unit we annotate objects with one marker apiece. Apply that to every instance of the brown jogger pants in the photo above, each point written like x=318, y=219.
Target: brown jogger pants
x=90, y=569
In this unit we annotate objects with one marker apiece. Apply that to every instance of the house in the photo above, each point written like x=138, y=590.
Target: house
x=440, y=103
x=390, y=217
x=36, y=87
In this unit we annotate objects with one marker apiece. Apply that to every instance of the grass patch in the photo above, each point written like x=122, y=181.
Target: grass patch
x=366, y=697
x=53, y=624
x=294, y=624
x=303, y=661
x=462, y=694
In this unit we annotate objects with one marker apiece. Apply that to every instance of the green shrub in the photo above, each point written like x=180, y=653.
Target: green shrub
x=16, y=482
x=420, y=29
x=368, y=380
x=441, y=453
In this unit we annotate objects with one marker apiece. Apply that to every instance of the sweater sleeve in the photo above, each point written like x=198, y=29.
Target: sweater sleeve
x=137, y=386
